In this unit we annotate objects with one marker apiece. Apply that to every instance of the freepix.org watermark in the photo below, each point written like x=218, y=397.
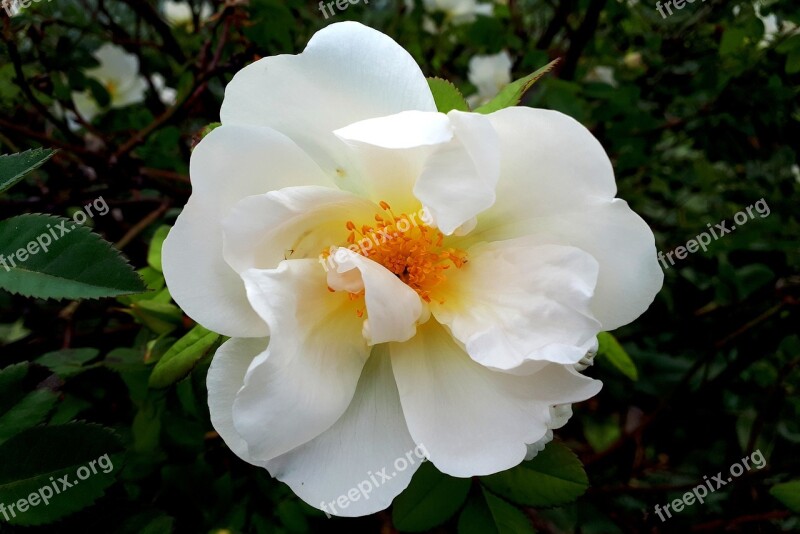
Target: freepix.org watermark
x=374, y=480
x=53, y=233
x=700, y=491
x=375, y=238
x=703, y=239
x=56, y=487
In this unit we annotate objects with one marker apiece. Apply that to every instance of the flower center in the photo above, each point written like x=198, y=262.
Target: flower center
x=111, y=88
x=407, y=247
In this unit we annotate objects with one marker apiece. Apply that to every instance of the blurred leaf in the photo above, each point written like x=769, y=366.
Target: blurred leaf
x=429, y=500
x=447, y=96
x=27, y=413
x=154, y=252
x=40, y=457
x=788, y=493
x=67, y=362
x=179, y=361
x=554, y=477
x=14, y=167
x=512, y=93
x=613, y=351
x=160, y=317
x=10, y=333
x=487, y=514
x=75, y=265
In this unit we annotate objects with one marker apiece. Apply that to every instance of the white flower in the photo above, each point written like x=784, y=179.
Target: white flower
x=118, y=73
x=460, y=332
x=460, y=11
x=602, y=74
x=180, y=13
x=489, y=74
x=167, y=95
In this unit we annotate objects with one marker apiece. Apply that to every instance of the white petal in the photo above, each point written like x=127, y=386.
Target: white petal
x=133, y=93
x=230, y=163
x=294, y=222
x=514, y=303
x=307, y=377
x=403, y=130
x=347, y=73
x=559, y=415
x=116, y=65
x=623, y=245
x=370, y=438
x=472, y=420
x=393, y=308
x=550, y=164
x=85, y=105
x=459, y=179
x=225, y=379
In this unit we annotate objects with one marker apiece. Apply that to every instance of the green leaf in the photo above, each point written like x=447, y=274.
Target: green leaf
x=487, y=514
x=447, y=96
x=429, y=500
x=611, y=349
x=179, y=360
x=27, y=413
x=160, y=317
x=512, y=93
x=788, y=493
x=154, y=252
x=14, y=167
x=36, y=260
x=67, y=362
x=10, y=333
x=554, y=477
x=38, y=458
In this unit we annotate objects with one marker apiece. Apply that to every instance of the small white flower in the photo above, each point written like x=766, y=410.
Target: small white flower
x=166, y=94
x=180, y=13
x=118, y=73
x=602, y=74
x=460, y=11
x=489, y=74
x=460, y=332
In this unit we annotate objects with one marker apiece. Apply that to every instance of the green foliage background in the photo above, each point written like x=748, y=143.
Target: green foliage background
x=701, y=122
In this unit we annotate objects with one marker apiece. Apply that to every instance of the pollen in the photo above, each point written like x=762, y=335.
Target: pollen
x=407, y=247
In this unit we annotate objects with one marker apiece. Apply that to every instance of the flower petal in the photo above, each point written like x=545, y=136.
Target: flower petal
x=393, y=308
x=337, y=467
x=472, y=420
x=293, y=222
x=225, y=379
x=306, y=378
x=550, y=164
x=624, y=247
x=199, y=279
x=408, y=129
x=459, y=179
x=514, y=303
x=347, y=73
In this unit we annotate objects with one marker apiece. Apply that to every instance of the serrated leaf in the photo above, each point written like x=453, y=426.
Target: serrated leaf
x=14, y=167
x=616, y=355
x=429, y=500
x=554, y=477
x=788, y=493
x=447, y=96
x=67, y=362
x=75, y=265
x=488, y=514
x=154, y=252
x=179, y=360
x=512, y=94
x=39, y=457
